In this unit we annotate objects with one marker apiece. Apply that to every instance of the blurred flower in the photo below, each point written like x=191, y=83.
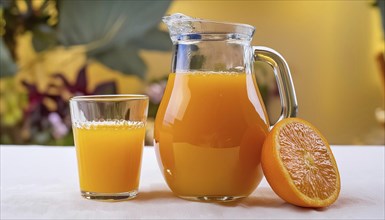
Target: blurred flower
x=80, y=85
x=45, y=118
x=155, y=91
x=59, y=128
x=12, y=102
x=40, y=104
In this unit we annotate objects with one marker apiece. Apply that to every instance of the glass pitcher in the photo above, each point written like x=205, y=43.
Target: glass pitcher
x=211, y=123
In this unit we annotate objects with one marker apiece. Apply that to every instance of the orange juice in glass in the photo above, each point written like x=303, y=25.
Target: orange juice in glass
x=109, y=136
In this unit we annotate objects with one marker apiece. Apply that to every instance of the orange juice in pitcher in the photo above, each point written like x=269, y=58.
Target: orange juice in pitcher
x=211, y=123
x=214, y=143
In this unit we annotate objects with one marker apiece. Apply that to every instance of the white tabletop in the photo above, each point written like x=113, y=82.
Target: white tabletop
x=41, y=183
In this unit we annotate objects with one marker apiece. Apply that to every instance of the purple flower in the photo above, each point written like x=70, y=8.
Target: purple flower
x=59, y=128
x=155, y=91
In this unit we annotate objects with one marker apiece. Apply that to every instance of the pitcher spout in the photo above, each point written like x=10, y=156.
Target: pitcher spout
x=177, y=24
x=170, y=20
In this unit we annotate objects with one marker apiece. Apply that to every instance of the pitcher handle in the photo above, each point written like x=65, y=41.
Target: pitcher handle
x=282, y=74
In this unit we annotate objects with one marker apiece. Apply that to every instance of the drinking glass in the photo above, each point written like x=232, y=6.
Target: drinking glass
x=109, y=133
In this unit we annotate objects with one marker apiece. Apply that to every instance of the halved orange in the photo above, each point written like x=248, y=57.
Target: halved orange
x=299, y=165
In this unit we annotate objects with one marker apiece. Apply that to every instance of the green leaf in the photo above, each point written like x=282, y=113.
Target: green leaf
x=126, y=59
x=110, y=29
x=7, y=65
x=107, y=23
x=154, y=39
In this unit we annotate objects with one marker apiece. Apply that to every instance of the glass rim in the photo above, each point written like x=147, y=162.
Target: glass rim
x=109, y=98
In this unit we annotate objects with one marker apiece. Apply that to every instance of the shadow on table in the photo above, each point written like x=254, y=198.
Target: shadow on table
x=155, y=195
x=265, y=197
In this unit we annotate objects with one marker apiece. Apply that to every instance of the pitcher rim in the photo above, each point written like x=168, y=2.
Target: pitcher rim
x=210, y=21
x=228, y=27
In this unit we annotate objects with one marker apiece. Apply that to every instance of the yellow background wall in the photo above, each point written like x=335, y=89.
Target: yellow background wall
x=330, y=47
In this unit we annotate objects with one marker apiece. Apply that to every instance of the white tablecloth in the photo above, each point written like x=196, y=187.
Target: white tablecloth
x=41, y=183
